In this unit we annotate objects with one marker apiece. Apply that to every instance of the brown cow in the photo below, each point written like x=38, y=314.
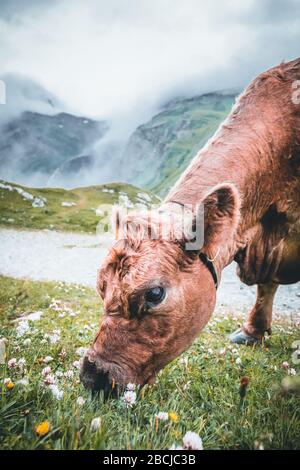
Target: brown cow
x=157, y=295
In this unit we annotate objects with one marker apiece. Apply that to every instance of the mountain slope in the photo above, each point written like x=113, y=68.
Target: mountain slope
x=159, y=150
x=78, y=210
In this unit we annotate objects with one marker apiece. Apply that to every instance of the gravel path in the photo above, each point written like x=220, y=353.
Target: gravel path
x=74, y=258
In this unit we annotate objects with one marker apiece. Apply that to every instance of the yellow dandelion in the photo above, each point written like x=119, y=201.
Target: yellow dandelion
x=43, y=428
x=174, y=417
x=10, y=385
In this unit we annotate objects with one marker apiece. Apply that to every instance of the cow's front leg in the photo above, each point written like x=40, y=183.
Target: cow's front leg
x=260, y=318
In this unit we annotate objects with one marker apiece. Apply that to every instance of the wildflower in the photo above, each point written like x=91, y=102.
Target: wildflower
x=43, y=428
x=292, y=372
x=173, y=417
x=12, y=363
x=192, y=441
x=80, y=401
x=285, y=365
x=95, y=424
x=2, y=350
x=63, y=354
x=58, y=394
x=9, y=384
x=162, y=416
x=21, y=362
x=69, y=374
x=24, y=382
x=129, y=398
x=27, y=342
x=47, y=359
x=184, y=361
x=55, y=338
x=210, y=351
x=49, y=379
x=22, y=328
x=76, y=364
x=259, y=445
x=59, y=373
x=130, y=387
x=81, y=351
x=222, y=351
x=238, y=361
x=46, y=371
x=243, y=386
x=186, y=385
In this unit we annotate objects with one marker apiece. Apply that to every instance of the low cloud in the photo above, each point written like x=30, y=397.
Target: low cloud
x=106, y=59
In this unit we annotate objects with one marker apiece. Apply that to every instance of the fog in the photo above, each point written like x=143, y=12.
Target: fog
x=120, y=60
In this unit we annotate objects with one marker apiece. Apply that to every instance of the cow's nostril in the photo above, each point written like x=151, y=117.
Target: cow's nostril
x=95, y=379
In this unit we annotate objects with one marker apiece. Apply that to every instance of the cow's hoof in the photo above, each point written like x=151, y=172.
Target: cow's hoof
x=241, y=337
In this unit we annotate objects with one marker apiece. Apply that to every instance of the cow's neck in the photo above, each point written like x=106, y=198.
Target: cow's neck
x=238, y=162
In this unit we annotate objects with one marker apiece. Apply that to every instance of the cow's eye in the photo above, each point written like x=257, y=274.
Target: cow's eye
x=155, y=295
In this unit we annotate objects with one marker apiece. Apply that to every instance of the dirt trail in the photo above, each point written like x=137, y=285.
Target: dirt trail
x=74, y=258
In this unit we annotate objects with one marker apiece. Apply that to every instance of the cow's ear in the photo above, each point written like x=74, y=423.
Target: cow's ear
x=214, y=221
x=218, y=217
x=118, y=214
x=221, y=208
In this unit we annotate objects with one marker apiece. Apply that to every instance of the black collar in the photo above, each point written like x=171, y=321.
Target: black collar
x=210, y=266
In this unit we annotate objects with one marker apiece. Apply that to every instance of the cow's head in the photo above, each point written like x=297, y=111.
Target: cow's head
x=157, y=295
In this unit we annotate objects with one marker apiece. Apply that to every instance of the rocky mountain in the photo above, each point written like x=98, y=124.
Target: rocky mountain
x=37, y=137
x=159, y=150
x=35, y=145
x=43, y=145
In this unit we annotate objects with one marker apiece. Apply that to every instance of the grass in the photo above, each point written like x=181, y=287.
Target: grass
x=81, y=217
x=203, y=390
x=169, y=140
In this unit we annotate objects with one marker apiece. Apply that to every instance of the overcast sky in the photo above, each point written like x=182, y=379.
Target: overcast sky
x=105, y=57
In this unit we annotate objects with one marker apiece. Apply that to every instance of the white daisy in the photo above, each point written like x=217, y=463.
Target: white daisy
x=22, y=328
x=46, y=371
x=80, y=401
x=57, y=393
x=162, y=416
x=12, y=363
x=47, y=359
x=95, y=424
x=192, y=441
x=69, y=374
x=129, y=398
x=24, y=382
x=130, y=387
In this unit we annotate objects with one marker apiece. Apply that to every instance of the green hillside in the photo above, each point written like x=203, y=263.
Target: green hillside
x=159, y=150
x=77, y=210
